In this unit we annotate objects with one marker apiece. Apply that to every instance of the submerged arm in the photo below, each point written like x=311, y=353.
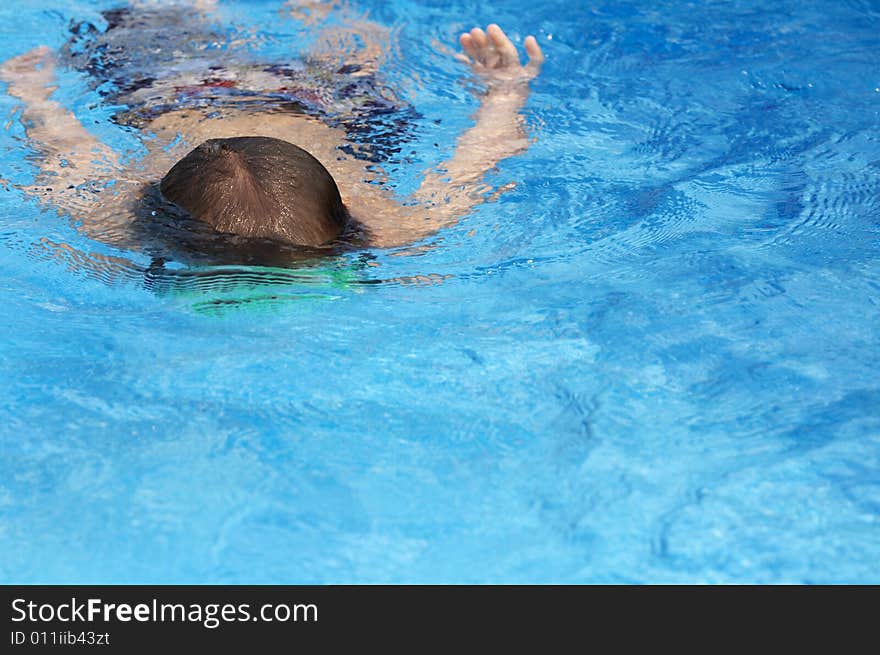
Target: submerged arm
x=70, y=155
x=76, y=169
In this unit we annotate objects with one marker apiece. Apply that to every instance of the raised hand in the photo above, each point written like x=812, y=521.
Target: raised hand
x=494, y=58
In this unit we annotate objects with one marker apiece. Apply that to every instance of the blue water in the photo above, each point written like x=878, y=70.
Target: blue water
x=655, y=360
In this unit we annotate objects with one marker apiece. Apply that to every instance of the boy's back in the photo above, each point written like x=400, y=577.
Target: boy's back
x=91, y=183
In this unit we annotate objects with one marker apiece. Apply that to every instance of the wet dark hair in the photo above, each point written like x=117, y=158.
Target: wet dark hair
x=258, y=187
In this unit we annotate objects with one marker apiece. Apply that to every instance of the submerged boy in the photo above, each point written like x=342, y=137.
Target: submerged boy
x=269, y=177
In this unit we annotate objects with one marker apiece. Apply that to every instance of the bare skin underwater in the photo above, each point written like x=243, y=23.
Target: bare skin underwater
x=85, y=179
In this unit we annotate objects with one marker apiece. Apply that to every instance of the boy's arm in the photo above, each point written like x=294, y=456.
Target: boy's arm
x=69, y=155
x=457, y=185
x=75, y=167
x=499, y=131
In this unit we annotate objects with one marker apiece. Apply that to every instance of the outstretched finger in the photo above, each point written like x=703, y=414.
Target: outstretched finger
x=486, y=53
x=536, y=57
x=467, y=44
x=479, y=37
x=503, y=45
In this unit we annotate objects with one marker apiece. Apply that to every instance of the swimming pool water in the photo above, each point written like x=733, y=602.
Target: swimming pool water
x=655, y=360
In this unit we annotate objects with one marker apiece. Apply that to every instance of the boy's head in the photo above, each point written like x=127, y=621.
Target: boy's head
x=258, y=187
